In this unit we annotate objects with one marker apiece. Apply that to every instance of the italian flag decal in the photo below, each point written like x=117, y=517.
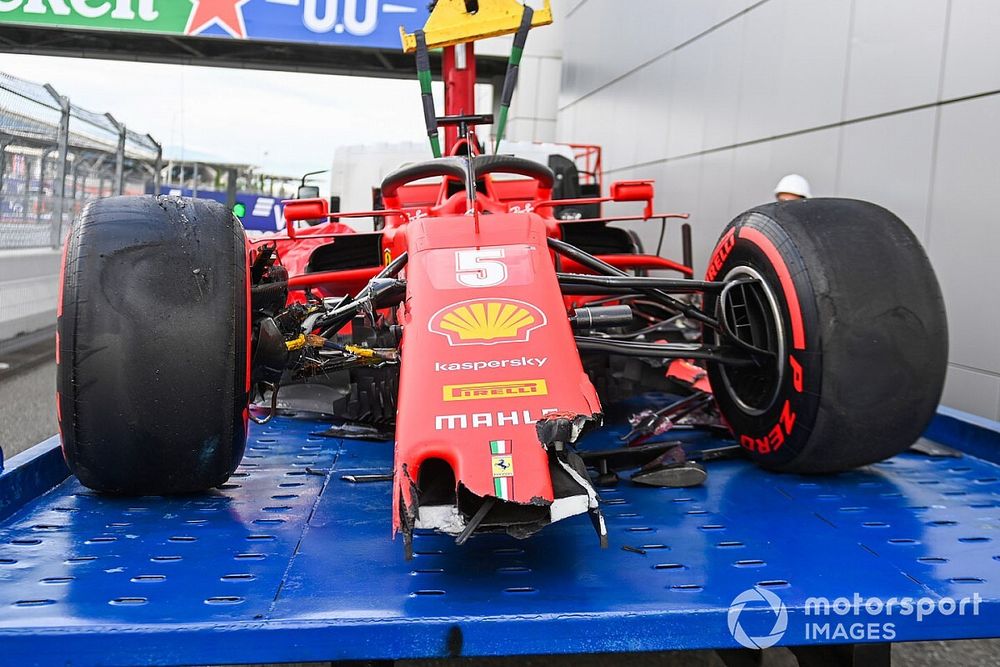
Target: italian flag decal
x=502, y=487
x=503, y=468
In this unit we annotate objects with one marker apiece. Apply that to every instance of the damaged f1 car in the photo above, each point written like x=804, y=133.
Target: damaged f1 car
x=484, y=324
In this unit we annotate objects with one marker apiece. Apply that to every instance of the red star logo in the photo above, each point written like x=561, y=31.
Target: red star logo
x=228, y=14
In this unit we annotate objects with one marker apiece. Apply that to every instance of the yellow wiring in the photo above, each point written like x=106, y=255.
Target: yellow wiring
x=315, y=341
x=318, y=341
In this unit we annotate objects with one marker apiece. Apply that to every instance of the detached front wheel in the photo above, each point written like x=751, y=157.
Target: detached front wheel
x=153, y=331
x=842, y=299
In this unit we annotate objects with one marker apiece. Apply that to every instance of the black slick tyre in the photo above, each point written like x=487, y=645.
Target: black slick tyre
x=152, y=348
x=847, y=300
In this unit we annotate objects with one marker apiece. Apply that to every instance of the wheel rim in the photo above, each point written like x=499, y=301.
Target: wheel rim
x=753, y=311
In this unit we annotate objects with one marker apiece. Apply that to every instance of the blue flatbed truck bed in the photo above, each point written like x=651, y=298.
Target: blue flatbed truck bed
x=291, y=562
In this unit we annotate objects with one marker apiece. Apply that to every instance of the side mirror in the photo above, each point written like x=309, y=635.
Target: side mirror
x=634, y=191
x=307, y=192
x=304, y=209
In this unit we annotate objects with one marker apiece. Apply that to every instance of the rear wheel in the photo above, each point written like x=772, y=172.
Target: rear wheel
x=152, y=354
x=843, y=297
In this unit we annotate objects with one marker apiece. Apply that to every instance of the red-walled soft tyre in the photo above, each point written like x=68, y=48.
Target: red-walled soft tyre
x=847, y=300
x=153, y=329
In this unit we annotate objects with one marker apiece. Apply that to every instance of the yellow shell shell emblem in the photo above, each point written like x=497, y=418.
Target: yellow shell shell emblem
x=487, y=321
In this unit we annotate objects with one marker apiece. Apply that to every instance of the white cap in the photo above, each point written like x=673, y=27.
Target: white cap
x=793, y=184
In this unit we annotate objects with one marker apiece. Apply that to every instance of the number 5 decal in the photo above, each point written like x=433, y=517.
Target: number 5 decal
x=480, y=268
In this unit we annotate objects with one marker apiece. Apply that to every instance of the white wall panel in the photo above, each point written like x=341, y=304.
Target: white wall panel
x=545, y=130
x=625, y=35
x=547, y=95
x=651, y=116
x=973, y=392
x=896, y=50
x=722, y=85
x=965, y=228
x=972, y=58
x=687, y=93
x=566, y=125
x=760, y=73
x=752, y=180
x=794, y=60
x=813, y=63
x=713, y=211
x=889, y=160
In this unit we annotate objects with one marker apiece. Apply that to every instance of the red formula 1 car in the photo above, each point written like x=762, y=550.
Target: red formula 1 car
x=485, y=325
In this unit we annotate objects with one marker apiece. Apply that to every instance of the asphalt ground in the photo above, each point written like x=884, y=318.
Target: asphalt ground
x=27, y=416
x=27, y=405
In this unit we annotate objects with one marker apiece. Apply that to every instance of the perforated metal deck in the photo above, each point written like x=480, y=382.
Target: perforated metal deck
x=289, y=562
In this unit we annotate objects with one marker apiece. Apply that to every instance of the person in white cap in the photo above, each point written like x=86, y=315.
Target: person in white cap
x=792, y=187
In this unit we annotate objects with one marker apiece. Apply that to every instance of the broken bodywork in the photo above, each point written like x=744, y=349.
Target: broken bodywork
x=477, y=410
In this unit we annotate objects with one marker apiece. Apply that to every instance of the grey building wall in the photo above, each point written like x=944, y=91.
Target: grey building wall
x=895, y=101
x=534, y=112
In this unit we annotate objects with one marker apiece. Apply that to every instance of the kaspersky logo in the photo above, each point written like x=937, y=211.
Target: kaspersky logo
x=483, y=364
x=487, y=322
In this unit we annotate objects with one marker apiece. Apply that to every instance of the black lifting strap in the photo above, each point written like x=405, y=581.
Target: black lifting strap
x=426, y=96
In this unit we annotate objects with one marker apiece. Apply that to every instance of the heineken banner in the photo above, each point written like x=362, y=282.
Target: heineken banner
x=364, y=23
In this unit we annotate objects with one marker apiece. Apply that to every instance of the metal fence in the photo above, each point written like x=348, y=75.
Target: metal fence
x=54, y=156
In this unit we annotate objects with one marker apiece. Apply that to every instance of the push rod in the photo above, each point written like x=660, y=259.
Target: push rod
x=600, y=267
x=639, y=282
x=721, y=355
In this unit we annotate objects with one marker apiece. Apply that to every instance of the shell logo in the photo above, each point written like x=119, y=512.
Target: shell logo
x=487, y=322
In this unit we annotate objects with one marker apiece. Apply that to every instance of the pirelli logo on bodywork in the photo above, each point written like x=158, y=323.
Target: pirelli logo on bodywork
x=481, y=390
